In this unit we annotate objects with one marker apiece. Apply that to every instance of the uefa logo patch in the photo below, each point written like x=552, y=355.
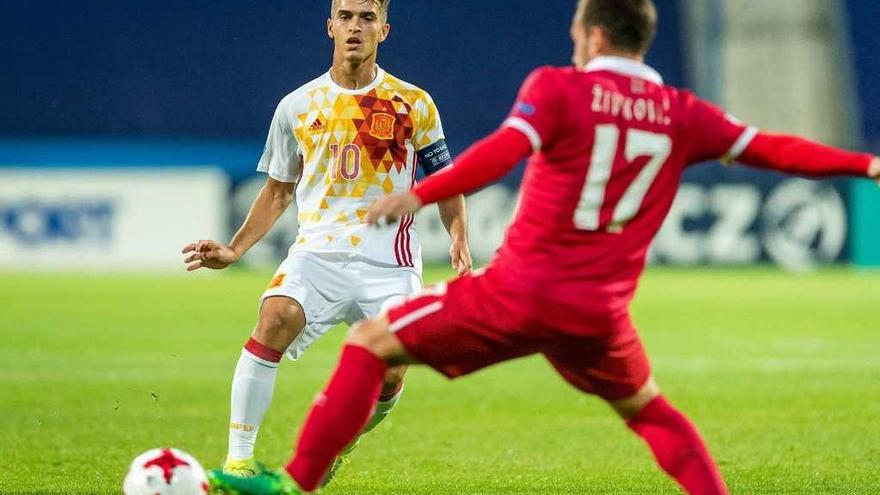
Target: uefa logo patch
x=525, y=108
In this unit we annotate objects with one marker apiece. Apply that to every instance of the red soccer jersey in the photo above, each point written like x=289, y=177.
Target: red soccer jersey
x=611, y=142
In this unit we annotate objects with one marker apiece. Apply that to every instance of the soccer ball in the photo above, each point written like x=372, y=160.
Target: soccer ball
x=165, y=472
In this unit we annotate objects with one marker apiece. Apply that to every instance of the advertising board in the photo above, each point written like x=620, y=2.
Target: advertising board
x=108, y=219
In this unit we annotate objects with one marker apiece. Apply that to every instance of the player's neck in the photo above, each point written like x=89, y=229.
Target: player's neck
x=627, y=55
x=350, y=75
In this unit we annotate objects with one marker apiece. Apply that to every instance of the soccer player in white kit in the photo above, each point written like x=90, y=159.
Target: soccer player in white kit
x=343, y=140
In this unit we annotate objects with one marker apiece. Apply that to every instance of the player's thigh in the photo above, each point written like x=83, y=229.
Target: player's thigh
x=306, y=298
x=613, y=367
x=460, y=327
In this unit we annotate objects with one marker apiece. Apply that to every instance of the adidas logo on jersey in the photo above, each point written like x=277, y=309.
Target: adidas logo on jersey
x=317, y=126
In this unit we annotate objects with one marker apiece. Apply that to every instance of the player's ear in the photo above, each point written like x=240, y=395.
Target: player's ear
x=330, y=28
x=597, y=41
x=386, y=28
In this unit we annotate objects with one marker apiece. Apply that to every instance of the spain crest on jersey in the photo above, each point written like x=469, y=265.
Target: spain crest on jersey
x=382, y=126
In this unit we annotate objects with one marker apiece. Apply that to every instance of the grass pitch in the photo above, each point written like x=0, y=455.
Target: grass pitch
x=781, y=373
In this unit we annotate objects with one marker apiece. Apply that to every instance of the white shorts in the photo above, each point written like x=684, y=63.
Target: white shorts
x=335, y=288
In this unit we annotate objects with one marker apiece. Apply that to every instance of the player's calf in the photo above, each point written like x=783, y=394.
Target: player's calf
x=392, y=389
x=673, y=439
x=339, y=414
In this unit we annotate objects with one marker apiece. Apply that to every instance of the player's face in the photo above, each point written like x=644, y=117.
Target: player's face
x=356, y=29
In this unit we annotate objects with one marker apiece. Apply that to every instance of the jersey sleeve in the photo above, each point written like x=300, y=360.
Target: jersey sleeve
x=429, y=140
x=538, y=108
x=281, y=157
x=485, y=161
x=713, y=134
x=796, y=155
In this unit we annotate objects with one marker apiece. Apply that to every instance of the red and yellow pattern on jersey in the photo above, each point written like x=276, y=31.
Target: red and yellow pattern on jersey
x=345, y=149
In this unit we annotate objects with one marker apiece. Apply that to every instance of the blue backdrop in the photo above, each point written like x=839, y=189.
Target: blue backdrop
x=217, y=69
x=170, y=83
x=863, y=16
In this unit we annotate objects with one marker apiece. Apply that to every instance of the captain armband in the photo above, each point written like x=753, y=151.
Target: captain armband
x=435, y=157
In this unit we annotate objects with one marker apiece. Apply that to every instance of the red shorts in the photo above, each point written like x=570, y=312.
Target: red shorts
x=478, y=320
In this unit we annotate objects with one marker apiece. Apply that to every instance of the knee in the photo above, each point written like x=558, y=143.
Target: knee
x=279, y=323
x=374, y=336
x=631, y=406
x=393, y=377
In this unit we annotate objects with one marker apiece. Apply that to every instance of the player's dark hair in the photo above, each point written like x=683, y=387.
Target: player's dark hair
x=383, y=7
x=630, y=24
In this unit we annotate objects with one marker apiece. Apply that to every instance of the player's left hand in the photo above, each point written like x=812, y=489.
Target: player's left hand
x=388, y=210
x=874, y=171
x=460, y=253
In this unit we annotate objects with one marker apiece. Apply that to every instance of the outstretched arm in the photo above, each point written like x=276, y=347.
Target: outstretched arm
x=270, y=203
x=715, y=134
x=795, y=155
x=484, y=162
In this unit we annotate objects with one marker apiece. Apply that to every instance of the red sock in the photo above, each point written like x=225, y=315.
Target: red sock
x=338, y=415
x=678, y=448
x=385, y=397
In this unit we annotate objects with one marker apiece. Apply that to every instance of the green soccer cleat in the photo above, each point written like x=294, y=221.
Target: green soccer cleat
x=263, y=483
x=246, y=468
x=340, y=462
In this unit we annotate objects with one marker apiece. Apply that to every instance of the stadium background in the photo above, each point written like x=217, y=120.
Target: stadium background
x=106, y=94
x=129, y=128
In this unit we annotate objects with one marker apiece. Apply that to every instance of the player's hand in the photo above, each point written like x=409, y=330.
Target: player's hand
x=460, y=253
x=874, y=171
x=208, y=254
x=388, y=210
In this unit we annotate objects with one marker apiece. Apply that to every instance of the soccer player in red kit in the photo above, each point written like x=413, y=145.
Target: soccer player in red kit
x=608, y=143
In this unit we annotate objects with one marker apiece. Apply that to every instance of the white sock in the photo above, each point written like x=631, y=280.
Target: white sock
x=252, y=387
x=383, y=409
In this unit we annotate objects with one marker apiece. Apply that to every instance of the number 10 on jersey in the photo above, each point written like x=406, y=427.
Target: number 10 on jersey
x=638, y=143
x=346, y=161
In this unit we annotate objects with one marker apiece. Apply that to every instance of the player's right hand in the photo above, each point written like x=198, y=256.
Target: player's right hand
x=208, y=254
x=388, y=210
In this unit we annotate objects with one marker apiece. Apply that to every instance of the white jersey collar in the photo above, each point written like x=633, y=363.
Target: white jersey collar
x=380, y=74
x=624, y=66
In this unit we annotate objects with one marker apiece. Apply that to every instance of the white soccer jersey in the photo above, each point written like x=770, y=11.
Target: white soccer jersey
x=345, y=149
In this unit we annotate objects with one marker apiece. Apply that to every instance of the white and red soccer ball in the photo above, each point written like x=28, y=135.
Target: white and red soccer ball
x=165, y=472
